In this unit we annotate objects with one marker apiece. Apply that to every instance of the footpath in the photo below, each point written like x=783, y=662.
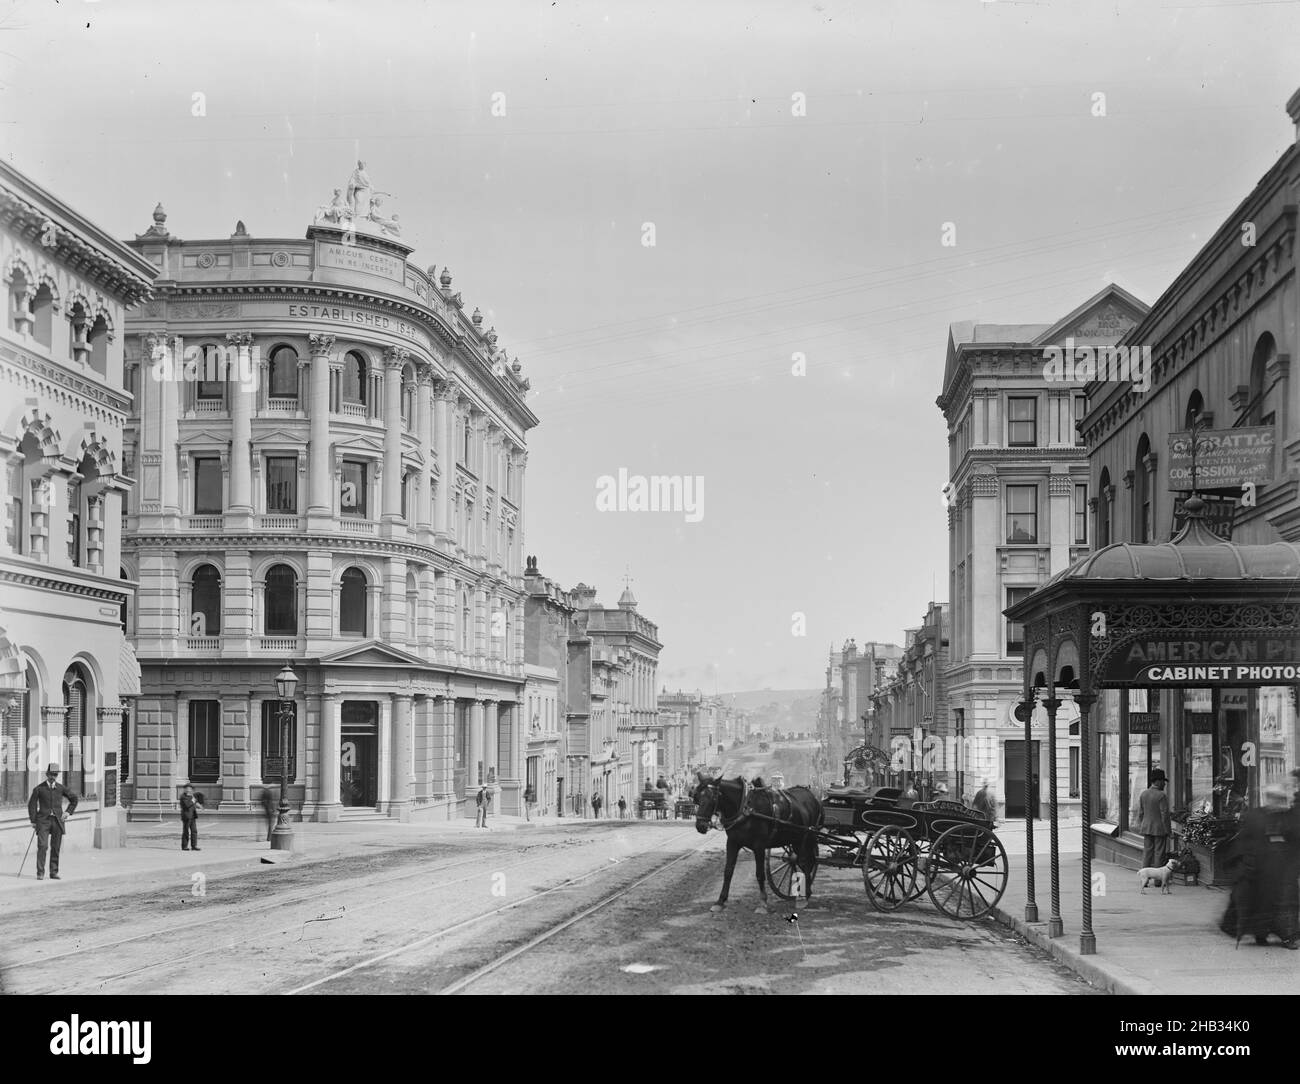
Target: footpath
x=1147, y=942
x=153, y=850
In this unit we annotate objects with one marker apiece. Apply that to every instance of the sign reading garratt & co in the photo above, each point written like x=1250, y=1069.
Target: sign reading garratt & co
x=1225, y=458
x=1208, y=658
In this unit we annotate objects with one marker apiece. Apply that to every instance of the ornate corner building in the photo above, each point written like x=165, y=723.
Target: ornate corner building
x=330, y=458
x=66, y=670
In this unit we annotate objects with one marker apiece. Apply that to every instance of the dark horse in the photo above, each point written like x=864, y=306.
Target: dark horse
x=759, y=818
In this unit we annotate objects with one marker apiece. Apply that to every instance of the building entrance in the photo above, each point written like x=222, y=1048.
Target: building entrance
x=1014, y=753
x=359, y=754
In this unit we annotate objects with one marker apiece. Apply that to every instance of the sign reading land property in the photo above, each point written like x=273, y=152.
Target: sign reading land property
x=1208, y=658
x=1225, y=458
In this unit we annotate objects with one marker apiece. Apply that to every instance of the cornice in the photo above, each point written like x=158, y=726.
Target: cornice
x=57, y=374
x=46, y=582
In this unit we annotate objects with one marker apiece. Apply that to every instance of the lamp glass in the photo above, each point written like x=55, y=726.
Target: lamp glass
x=286, y=683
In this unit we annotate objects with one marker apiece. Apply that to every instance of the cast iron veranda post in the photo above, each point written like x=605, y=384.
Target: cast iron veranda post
x=1087, y=939
x=1054, y=925
x=1031, y=904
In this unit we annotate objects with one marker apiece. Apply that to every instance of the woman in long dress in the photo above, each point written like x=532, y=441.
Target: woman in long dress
x=1266, y=897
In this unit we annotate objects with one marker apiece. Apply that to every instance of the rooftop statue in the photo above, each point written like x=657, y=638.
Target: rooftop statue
x=361, y=208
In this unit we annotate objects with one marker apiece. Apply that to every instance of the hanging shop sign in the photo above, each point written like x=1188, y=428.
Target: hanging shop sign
x=1207, y=658
x=1225, y=458
x=1219, y=514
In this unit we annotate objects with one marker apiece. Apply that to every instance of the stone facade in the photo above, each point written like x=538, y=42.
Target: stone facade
x=331, y=460
x=66, y=671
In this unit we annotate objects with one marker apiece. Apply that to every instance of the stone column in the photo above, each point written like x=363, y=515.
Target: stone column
x=394, y=360
x=443, y=736
x=491, y=741
x=445, y=396
x=402, y=746
x=421, y=508
x=472, y=776
x=330, y=714
x=321, y=474
x=241, y=428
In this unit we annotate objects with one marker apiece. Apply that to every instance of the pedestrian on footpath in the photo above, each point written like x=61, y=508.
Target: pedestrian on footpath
x=529, y=798
x=985, y=803
x=595, y=805
x=480, y=817
x=190, y=807
x=45, y=811
x=622, y=808
x=1266, y=897
x=1153, y=821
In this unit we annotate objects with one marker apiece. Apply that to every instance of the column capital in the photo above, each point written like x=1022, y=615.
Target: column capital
x=395, y=357
x=239, y=338
x=320, y=344
x=446, y=390
x=424, y=374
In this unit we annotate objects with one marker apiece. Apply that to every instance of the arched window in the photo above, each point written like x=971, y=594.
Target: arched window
x=76, y=694
x=354, y=378
x=1259, y=407
x=43, y=316
x=281, y=602
x=98, y=342
x=205, y=602
x=1103, y=509
x=1195, y=408
x=1142, y=497
x=211, y=386
x=352, y=603
x=283, y=373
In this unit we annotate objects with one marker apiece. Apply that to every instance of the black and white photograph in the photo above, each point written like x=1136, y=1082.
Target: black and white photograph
x=580, y=499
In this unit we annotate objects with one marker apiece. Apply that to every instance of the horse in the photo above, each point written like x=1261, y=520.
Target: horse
x=759, y=818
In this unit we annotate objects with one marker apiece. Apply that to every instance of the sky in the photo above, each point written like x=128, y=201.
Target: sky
x=712, y=233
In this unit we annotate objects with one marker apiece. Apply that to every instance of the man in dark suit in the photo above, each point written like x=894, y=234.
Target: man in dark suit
x=1153, y=821
x=190, y=807
x=45, y=811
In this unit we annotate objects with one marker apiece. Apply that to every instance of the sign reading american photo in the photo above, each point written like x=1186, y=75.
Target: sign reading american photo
x=1208, y=658
x=1225, y=458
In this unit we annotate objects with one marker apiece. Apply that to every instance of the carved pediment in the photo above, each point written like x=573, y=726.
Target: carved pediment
x=371, y=653
x=205, y=438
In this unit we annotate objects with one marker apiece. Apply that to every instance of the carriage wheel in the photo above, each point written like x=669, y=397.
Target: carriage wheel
x=782, y=865
x=967, y=871
x=889, y=868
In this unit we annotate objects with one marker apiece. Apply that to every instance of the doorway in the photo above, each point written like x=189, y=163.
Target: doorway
x=1014, y=765
x=359, y=755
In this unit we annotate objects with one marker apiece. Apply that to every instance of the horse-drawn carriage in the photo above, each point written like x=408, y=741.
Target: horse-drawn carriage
x=653, y=802
x=904, y=850
x=942, y=848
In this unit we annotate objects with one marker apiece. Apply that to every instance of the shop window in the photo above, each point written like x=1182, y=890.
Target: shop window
x=205, y=741
x=275, y=741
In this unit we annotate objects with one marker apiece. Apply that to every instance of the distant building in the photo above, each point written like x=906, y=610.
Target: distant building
x=911, y=712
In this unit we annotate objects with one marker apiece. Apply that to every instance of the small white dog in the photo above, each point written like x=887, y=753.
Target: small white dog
x=1159, y=875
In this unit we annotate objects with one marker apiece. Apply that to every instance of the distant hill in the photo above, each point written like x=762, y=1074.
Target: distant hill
x=783, y=698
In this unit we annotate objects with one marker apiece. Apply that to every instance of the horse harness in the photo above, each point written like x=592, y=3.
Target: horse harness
x=780, y=806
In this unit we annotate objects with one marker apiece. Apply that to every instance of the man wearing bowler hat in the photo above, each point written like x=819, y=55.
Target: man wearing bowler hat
x=1153, y=821
x=45, y=811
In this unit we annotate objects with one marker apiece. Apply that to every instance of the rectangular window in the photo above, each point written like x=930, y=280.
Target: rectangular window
x=212, y=372
x=281, y=483
x=352, y=496
x=1081, y=514
x=1022, y=423
x=205, y=741
x=1016, y=631
x=1080, y=409
x=275, y=740
x=1022, y=513
x=1074, y=772
x=207, y=485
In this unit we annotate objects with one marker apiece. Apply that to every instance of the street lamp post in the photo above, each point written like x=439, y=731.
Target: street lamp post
x=286, y=683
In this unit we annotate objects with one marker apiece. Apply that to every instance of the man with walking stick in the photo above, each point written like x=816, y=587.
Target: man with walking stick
x=45, y=811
